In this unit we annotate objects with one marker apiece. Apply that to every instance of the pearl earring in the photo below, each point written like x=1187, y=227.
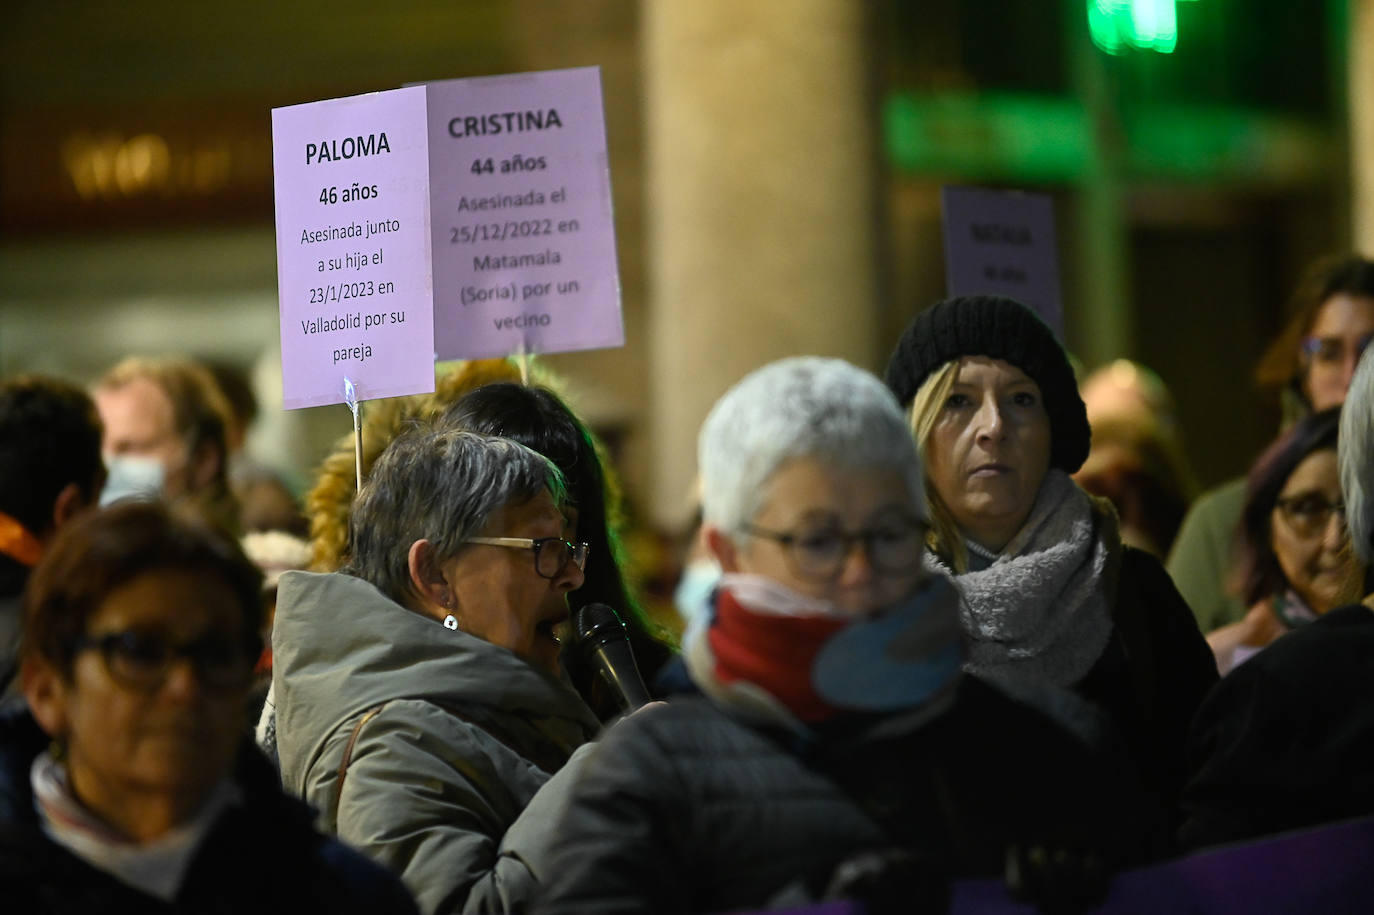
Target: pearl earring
x=450, y=622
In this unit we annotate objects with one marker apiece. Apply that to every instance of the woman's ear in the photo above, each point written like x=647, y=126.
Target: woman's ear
x=722, y=546
x=427, y=578
x=46, y=693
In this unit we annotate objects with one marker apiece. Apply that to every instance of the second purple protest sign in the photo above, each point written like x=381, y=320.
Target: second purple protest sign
x=522, y=227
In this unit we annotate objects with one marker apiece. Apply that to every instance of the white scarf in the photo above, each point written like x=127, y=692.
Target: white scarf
x=157, y=867
x=1041, y=613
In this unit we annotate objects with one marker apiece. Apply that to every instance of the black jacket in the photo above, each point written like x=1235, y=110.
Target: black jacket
x=687, y=809
x=1286, y=740
x=261, y=857
x=1153, y=674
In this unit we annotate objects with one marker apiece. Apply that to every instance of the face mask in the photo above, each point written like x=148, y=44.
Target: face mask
x=132, y=477
x=817, y=661
x=692, y=597
x=768, y=597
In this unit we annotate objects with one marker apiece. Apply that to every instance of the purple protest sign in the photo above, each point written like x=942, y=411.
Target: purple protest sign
x=523, y=235
x=351, y=177
x=1002, y=243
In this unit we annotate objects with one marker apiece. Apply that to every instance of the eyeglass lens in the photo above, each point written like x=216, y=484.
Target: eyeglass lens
x=823, y=553
x=144, y=659
x=551, y=554
x=1332, y=350
x=1310, y=514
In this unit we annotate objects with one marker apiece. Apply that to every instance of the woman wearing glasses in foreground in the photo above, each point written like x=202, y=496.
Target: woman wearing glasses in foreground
x=836, y=749
x=144, y=795
x=1294, y=565
x=420, y=704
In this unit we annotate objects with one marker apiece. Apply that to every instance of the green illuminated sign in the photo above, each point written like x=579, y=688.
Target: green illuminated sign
x=1150, y=25
x=1030, y=139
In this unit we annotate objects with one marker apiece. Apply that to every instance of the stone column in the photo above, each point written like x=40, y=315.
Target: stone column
x=1361, y=94
x=761, y=202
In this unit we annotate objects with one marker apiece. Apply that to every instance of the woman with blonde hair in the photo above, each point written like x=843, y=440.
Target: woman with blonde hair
x=1049, y=595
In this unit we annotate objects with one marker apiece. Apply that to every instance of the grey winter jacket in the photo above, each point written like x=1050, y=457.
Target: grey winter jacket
x=449, y=778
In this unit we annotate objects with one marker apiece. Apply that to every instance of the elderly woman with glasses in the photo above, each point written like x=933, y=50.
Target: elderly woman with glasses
x=128, y=783
x=1310, y=364
x=420, y=703
x=1294, y=563
x=1284, y=741
x=835, y=734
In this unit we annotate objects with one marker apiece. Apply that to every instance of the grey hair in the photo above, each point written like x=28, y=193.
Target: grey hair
x=801, y=407
x=1355, y=450
x=442, y=486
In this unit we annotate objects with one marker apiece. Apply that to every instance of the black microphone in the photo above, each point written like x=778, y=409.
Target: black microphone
x=603, y=640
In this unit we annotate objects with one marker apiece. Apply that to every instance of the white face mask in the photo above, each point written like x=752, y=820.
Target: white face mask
x=768, y=597
x=692, y=597
x=132, y=477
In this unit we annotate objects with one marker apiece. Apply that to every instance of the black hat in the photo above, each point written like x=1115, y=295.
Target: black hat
x=999, y=328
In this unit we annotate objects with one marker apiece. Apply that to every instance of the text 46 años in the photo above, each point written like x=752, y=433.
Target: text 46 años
x=347, y=194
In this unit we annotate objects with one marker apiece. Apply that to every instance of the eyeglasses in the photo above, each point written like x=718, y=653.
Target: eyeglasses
x=142, y=660
x=1308, y=514
x=1331, y=352
x=820, y=554
x=551, y=554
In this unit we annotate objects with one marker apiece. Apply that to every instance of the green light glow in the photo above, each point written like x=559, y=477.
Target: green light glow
x=1151, y=25
x=1030, y=139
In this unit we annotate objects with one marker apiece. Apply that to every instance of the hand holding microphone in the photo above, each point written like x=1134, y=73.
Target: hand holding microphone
x=604, y=642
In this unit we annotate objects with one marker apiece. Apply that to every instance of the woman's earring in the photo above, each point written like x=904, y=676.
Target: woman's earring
x=450, y=622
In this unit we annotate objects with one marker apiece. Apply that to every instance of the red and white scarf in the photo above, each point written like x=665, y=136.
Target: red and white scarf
x=770, y=653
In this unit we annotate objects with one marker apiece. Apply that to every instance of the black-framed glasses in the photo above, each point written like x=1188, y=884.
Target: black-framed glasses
x=142, y=660
x=551, y=554
x=1308, y=514
x=820, y=554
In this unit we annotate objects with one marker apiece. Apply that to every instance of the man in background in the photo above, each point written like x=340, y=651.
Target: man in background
x=166, y=425
x=50, y=471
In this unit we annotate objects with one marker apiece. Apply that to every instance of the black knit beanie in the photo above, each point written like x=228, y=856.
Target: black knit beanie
x=998, y=328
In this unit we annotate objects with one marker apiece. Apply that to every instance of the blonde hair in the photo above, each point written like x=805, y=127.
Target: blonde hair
x=943, y=539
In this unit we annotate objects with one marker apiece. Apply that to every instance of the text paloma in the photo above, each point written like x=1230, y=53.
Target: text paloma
x=374, y=144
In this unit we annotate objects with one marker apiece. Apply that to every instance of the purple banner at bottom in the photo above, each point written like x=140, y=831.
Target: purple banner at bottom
x=1326, y=870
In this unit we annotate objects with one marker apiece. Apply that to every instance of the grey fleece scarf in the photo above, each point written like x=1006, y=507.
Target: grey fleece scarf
x=1041, y=613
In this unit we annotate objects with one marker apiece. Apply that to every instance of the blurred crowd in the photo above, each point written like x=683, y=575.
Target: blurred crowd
x=971, y=619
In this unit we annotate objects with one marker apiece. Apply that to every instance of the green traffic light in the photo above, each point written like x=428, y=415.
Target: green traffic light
x=1150, y=25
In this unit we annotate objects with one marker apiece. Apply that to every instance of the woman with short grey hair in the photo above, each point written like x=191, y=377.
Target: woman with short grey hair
x=817, y=408
x=836, y=739
x=420, y=704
